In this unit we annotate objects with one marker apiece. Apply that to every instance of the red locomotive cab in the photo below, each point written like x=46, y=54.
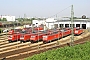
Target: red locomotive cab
x=69, y=29
x=48, y=38
x=11, y=31
x=18, y=36
x=17, y=30
x=82, y=30
x=45, y=38
x=25, y=37
x=27, y=29
x=14, y=37
x=21, y=37
x=10, y=38
x=33, y=38
x=36, y=38
x=56, y=35
x=78, y=31
x=66, y=28
x=64, y=32
x=76, y=28
x=51, y=37
x=59, y=35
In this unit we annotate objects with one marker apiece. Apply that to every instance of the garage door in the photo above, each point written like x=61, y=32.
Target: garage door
x=84, y=26
x=66, y=25
x=61, y=25
x=73, y=25
x=77, y=25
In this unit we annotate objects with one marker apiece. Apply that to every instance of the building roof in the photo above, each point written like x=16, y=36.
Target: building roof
x=68, y=20
x=75, y=20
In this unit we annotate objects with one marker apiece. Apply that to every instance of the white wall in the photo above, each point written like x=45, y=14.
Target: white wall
x=50, y=23
x=9, y=18
x=50, y=20
x=38, y=21
x=81, y=22
x=88, y=25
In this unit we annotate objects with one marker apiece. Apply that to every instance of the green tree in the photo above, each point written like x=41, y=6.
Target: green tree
x=4, y=19
x=0, y=30
x=28, y=19
x=20, y=19
x=32, y=18
x=0, y=19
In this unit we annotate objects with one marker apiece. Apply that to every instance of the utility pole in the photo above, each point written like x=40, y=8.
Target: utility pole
x=72, y=22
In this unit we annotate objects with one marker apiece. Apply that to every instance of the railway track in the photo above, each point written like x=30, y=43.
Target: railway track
x=3, y=38
x=44, y=48
x=3, y=43
x=3, y=34
x=18, y=51
x=11, y=46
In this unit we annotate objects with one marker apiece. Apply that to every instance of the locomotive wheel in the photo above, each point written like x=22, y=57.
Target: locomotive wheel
x=24, y=41
x=10, y=41
x=49, y=41
x=32, y=41
x=44, y=42
x=36, y=41
x=20, y=41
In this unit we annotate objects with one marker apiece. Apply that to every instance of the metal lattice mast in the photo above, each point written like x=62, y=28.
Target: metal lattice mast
x=72, y=25
x=58, y=32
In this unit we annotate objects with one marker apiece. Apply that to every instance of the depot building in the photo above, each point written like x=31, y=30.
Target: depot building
x=56, y=23
x=82, y=23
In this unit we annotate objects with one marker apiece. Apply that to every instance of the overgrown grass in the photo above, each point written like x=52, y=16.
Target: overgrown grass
x=78, y=52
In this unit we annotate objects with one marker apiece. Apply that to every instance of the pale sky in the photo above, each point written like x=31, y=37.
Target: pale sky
x=44, y=8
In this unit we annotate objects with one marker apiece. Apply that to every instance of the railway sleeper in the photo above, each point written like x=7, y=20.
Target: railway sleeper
x=3, y=58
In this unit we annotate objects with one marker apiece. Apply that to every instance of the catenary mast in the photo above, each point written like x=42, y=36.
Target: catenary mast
x=72, y=25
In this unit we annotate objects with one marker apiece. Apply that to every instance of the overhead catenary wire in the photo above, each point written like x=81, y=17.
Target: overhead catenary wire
x=60, y=11
x=57, y=13
x=56, y=17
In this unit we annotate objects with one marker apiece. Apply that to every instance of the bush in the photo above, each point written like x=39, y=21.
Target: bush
x=78, y=52
x=0, y=30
